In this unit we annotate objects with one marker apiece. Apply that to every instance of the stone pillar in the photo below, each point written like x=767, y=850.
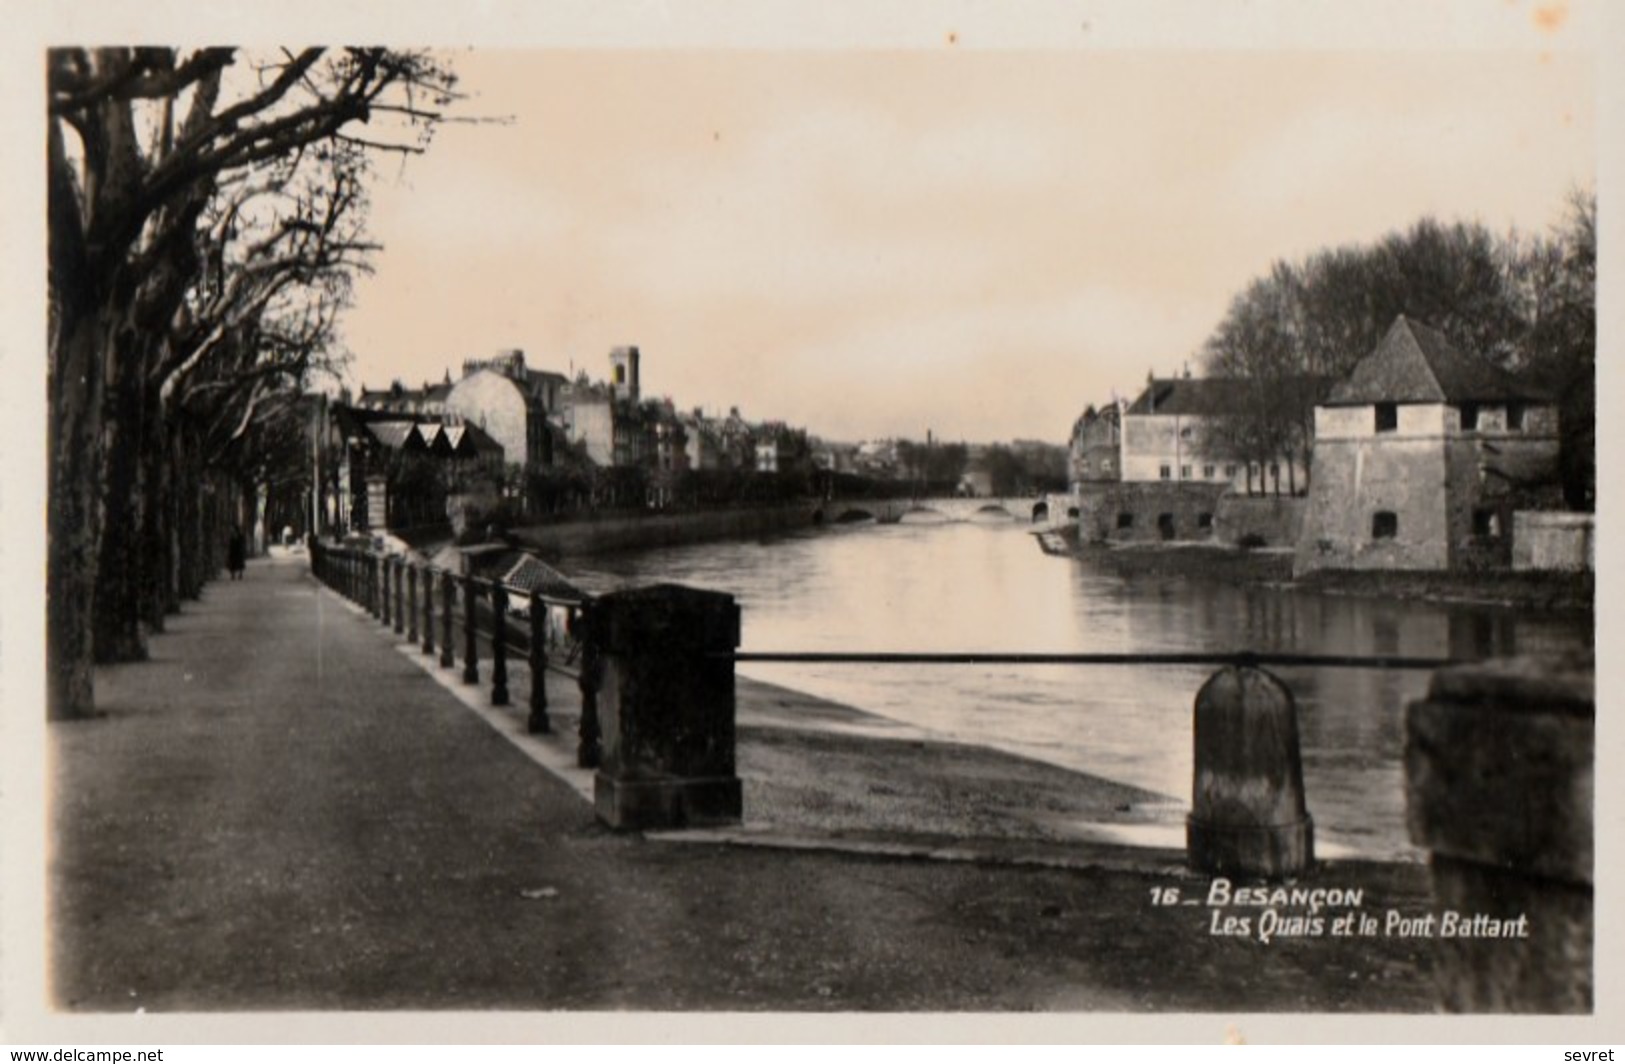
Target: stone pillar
x=1499, y=778
x=1248, y=815
x=666, y=708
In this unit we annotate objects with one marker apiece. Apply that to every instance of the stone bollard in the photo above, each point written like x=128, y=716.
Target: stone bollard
x=1248, y=815
x=1499, y=779
x=666, y=708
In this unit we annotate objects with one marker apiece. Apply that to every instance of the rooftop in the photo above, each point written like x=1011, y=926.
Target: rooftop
x=1415, y=363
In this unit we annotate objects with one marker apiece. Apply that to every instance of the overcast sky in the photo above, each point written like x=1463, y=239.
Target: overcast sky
x=978, y=243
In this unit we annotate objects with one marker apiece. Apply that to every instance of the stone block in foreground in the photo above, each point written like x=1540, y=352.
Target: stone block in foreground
x=1499, y=768
x=1248, y=813
x=666, y=708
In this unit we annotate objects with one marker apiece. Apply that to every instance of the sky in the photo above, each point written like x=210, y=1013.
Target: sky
x=975, y=243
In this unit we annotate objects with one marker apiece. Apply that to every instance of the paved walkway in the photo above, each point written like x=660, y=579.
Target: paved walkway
x=282, y=810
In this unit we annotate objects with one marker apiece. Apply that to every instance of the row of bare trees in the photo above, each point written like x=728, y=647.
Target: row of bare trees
x=206, y=214
x=1526, y=303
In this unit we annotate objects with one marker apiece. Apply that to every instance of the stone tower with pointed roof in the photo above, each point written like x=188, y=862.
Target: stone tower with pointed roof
x=1421, y=455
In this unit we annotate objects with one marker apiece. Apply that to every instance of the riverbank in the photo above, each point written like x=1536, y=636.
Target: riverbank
x=1546, y=591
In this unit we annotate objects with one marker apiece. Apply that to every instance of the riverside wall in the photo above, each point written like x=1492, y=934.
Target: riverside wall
x=620, y=532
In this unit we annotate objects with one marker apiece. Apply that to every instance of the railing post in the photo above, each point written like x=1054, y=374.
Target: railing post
x=538, y=724
x=428, y=611
x=411, y=603
x=398, y=565
x=471, y=650
x=588, y=748
x=374, y=605
x=1500, y=789
x=448, y=591
x=499, y=644
x=383, y=586
x=666, y=709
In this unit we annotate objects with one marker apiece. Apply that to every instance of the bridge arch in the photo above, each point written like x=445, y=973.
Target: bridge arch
x=1040, y=511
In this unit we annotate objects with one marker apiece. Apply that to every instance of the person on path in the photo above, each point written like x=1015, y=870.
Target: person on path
x=236, y=554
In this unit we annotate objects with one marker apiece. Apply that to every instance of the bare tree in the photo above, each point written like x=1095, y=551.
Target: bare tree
x=146, y=149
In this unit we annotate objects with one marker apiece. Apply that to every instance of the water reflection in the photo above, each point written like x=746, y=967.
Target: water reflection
x=984, y=585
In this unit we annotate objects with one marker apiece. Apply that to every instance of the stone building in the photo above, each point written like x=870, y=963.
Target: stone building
x=512, y=403
x=1095, y=452
x=401, y=469
x=1162, y=434
x=1422, y=455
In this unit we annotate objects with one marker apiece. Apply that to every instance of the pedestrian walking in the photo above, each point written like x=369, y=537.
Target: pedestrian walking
x=236, y=554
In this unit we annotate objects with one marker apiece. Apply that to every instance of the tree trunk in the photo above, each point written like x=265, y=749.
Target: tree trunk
x=121, y=565
x=155, y=589
x=72, y=519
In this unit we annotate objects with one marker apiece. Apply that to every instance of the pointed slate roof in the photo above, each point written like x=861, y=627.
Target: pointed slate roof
x=1416, y=364
x=1188, y=395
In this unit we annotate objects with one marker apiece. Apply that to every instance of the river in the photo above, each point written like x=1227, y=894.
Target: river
x=985, y=586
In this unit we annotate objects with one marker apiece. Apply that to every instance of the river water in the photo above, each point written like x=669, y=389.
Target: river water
x=985, y=586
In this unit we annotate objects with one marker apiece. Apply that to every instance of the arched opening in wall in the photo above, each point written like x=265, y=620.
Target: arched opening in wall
x=1204, y=522
x=1165, y=526
x=1125, y=521
x=1040, y=512
x=1072, y=511
x=852, y=517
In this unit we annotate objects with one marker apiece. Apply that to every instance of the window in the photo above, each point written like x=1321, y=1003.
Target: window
x=1184, y=472
x=1204, y=521
x=1185, y=433
x=1387, y=417
x=1486, y=524
x=1514, y=417
x=1384, y=524
x=1230, y=472
x=1165, y=526
x=1207, y=472
x=1125, y=520
x=1165, y=472
x=1469, y=417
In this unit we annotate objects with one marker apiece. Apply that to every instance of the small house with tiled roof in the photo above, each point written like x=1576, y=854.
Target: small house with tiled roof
x=1422, y=453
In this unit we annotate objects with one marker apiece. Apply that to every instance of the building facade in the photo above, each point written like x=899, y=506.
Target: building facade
x=1095, y=452
x=1162, y=439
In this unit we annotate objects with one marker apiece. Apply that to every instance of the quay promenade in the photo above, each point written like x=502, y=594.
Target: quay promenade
x=289, y=808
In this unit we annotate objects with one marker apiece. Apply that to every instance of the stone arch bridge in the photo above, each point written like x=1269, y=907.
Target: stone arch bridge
x=1025, y=509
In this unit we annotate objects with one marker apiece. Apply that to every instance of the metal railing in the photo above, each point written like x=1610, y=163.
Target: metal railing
x=1241, y=659
x=387, y=587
